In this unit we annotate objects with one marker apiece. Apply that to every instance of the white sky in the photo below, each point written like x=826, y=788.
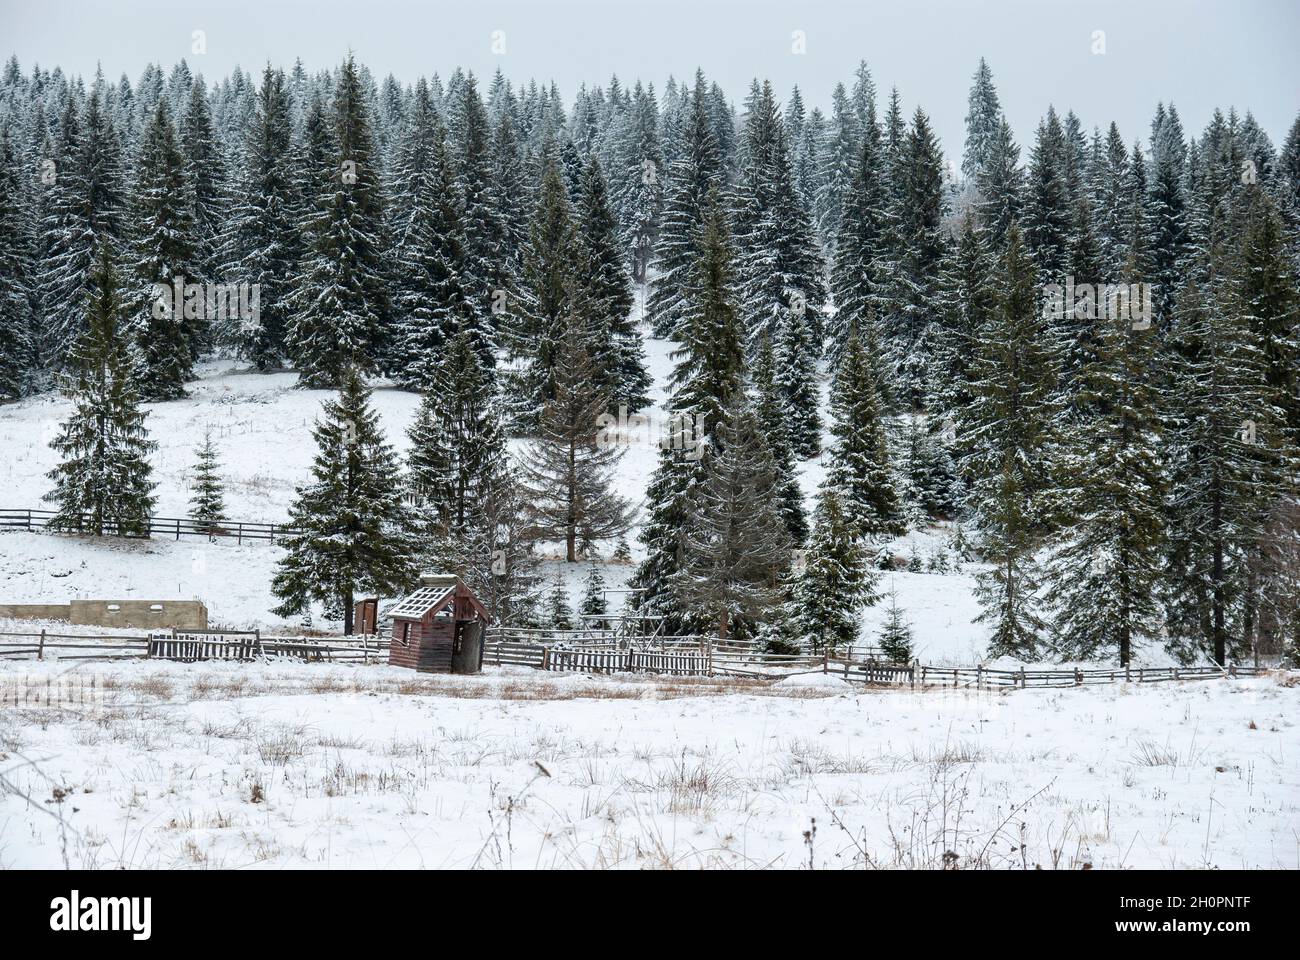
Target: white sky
x=1199, y=53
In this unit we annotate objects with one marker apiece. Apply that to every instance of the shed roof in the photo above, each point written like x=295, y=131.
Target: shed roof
x=435, y=593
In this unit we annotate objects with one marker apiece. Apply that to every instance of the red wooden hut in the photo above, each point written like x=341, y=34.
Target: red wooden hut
x=438, y=627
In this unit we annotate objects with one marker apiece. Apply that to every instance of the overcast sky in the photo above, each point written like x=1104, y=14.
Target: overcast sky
x=1197, y=53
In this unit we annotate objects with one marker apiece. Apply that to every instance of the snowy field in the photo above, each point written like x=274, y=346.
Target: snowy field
x=226, y=765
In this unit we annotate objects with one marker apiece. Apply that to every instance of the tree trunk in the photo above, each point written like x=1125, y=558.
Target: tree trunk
x=347, y=612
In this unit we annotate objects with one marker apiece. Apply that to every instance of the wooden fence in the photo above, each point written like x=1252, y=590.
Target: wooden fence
x=186, y=647
x=172, y=527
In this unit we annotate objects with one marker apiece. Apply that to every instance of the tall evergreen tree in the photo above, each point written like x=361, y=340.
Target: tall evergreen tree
x=353, y=527
x=983, y=119
x=859, y=468
x=341, y=303
x=103, y=483
x=836, y=581
x=168, y=329
x=737, y=550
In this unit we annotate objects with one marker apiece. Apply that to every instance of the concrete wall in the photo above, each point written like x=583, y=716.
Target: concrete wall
x=182, y=614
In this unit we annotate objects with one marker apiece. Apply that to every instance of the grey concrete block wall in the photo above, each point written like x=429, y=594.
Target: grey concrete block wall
x=139, y=614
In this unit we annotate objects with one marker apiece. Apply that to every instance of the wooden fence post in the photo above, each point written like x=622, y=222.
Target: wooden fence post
x=979, y=676
x=40, y=652
x=546, y=657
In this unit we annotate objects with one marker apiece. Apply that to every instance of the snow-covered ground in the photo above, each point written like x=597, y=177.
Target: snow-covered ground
x=316, y=765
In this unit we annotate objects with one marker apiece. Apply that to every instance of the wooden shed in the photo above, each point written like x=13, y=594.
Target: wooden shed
x=438, y=627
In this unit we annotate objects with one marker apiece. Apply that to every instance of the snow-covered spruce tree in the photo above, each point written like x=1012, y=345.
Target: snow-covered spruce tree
x=967, y=298
x=895, y=637
x=638, y=188
x=1009, y=423
x=265, y=241
x=457, y=457
x=859, y=268
x=206, y=184
x=983, y=119
x=1047, y=215
x=1168, y=207
x=859, y=468
x=353, y=524
x=17, y=345
x=1001, y=187
x=692, y=177
x=709, y=369
x=568, y=468
x=1269, y=294
x=839, y=165
x=429, y=302
x=102, y=484
x=207, y=492
x=1227, y=447
x=778, y=263
x=770, y=410
x=540, y=311
x=341, y=303
x=470, y=139
x=921, y=254
x=1105, y=563
x=1110, y=202
x=836, y=581
x=83, y=206
x=559, y=613
x=168, y=330
x=602, y=273
x=796, y=379
x=737, y=549
x=594, y=605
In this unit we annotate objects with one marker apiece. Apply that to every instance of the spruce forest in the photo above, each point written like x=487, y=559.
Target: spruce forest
x=1076, y=347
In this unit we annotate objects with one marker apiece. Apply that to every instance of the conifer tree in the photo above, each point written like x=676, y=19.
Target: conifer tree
x=1001, y=187
x=1226, y=453
x=265, y=239
x=796, y=379
x=594, y=605
x=341, y=303
x=353, y=526
x=1009, y=423
x=17, y=347
x=205, y=180
x=859, y=468
x=1047, y=213
x=103, y=486
x=1106, y=560
x=169, y=330
x=539, y=318
x=983, y=119
x=568, y=468
x=708, y=372
x=737, y=550
x=207, y=492
x=836, y=581
x=603, y=275
x=692, y=177
x=559, y=614
x=770, y=410
x=895, y=637
x=860, y=268
x=430, y=302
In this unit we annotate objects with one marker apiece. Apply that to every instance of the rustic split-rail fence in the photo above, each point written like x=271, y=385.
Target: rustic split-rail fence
x=168, y=527
x=672, y=656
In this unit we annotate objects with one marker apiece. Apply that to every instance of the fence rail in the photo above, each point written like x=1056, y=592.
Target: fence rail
x=186, y=647
x=173, y=527
x=685, y=662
